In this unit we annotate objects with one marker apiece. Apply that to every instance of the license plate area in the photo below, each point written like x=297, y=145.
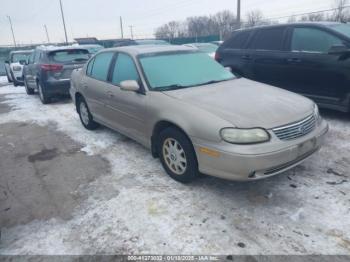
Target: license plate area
x=306, y=147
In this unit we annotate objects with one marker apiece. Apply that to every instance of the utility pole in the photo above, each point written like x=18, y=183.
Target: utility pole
x=47, y=34
x=64, y=23
x=131, y=32
x=13, y=34
x=239, y=13
x=121, y=27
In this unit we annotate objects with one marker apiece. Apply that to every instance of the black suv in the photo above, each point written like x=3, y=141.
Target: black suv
x=312, y=59
x=49, y=69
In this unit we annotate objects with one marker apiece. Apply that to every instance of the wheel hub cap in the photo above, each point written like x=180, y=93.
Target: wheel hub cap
x=174, y=156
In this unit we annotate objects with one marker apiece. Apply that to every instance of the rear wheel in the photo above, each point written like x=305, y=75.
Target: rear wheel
x=45, y=99
x=85, y=115
x=30, y=91
x=177, y=155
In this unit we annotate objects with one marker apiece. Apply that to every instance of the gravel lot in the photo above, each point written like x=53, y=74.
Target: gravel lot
x=65, y=190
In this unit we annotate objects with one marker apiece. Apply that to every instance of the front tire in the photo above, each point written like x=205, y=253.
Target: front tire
x=30, y=91
x=44, y=98
x=85, y=115
x=177, y=155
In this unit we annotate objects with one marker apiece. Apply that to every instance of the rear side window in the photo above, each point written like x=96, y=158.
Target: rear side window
x=238, y=40
x=69, y=56
x=313, y=40
x=124, y=69
x=269, y=39
x=101, y=65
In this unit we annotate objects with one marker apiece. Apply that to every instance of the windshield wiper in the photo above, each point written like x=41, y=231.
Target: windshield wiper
x=80, y=59
x=213, y=82
x=169, y=87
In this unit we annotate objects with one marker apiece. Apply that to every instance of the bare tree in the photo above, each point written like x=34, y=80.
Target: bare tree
x=341, y=14
x=292, y=19
x=170, y=30
x=226, y=22
x=314, y=17
x=255, y=18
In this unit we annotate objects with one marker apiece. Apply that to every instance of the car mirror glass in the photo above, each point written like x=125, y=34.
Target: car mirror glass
x=338, y=50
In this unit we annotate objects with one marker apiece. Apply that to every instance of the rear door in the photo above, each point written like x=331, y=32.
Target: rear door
x=126, y=109
x=269, y=46
x=30, y=70
x=68, y=59
x=94, y=85
x=234, y=54
x=313, y=71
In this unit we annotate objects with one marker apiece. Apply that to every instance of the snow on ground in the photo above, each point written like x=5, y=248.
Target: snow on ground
x=304, y=211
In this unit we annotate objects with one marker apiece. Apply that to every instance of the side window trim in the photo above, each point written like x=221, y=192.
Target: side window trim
x=92, y=66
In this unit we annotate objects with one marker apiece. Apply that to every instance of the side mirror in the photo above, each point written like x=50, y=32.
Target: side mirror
x=23, y=62
x=129, y=85
x=7, y=61
x=228, y=69
x=339, y=50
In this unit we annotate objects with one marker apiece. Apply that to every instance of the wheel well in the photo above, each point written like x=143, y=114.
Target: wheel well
x=158, y=128
x=78, y=96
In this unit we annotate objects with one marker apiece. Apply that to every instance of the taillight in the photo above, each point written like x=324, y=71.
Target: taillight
x=51, y=67
x=217, y=57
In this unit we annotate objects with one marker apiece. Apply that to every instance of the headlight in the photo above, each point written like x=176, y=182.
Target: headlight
x=244, y=136
x=17, y=68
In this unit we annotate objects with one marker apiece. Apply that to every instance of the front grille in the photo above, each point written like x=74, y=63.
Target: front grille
x=296, y=130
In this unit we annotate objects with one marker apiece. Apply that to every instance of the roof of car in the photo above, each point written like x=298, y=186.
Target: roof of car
x=21, y=52
x=147, y=49
x=320, y=23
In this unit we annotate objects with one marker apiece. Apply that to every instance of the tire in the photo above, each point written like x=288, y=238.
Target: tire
x=85, y=115
x=44, y=98
x=8, y=77
x=30, y=91
x=177, y=155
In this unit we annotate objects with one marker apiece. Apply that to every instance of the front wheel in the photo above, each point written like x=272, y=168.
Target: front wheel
x=29, y=91
x=44, y=98
x=177, y=155
x=85, y=115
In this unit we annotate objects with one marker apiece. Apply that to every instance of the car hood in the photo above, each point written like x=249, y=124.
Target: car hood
x=247, y=104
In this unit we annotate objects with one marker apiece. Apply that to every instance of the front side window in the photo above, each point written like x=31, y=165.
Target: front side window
x=101, y=65
x=124, y=69
x=269, y=39
x=176, y=70
x=313, y=40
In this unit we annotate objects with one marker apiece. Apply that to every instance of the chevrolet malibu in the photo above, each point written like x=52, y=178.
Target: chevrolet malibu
x=195, y=115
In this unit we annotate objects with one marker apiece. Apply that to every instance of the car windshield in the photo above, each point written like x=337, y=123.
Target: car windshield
x=19, y=56
x=169, y=71
x=69, y=56
x=342, y=28
x=94, y=49
x=207, y=48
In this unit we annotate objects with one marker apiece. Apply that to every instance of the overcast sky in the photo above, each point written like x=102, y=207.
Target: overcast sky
x=100, y=18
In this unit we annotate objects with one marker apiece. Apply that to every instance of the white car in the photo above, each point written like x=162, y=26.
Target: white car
x=14, y=66
x=207, y=48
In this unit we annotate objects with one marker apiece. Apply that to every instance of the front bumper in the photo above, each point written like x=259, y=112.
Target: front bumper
x=241, y=165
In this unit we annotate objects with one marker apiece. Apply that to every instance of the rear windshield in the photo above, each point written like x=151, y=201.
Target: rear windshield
x=69, y=56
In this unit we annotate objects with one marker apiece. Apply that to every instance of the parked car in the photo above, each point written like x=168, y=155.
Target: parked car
x=198, y=117
x=207, y=48
x=93, y=49
x=217, y=43
x=129, y=42
x=312, y=59
x=14, y=66
x=49, y=70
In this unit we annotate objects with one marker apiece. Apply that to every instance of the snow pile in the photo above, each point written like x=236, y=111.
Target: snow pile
x=298, y=212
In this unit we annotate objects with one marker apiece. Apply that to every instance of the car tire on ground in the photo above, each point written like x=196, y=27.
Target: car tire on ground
x=85, y=115
x=44, y=98
x=177, y=155
x=30, y=91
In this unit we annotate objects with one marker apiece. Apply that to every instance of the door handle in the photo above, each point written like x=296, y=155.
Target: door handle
x=110, y=94
x=246, y=57
x=293, y=60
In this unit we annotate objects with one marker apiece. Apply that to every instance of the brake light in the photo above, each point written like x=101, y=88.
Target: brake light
x=217, y=56
x=51, y=67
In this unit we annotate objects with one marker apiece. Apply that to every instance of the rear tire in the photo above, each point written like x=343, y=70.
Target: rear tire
x=177, y=155
x=44, y=98
x=30, y=91
x=85, y=115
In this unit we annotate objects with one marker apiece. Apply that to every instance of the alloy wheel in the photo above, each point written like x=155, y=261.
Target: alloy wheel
x=174, y=156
